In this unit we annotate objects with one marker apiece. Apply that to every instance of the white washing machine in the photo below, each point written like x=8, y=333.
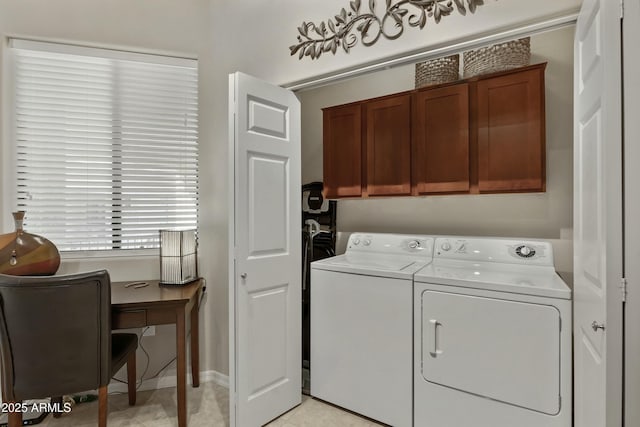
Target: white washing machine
x=362, y=325
x=492, y=336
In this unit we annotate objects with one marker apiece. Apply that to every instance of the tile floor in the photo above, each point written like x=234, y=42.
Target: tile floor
x=208, y=407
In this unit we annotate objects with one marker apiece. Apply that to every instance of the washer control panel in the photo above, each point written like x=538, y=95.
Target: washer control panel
x=391, y=243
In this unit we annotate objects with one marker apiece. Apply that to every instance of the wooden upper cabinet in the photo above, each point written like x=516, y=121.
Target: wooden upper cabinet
x=440, y=148
x=342, y=151
x=485, y=134
x=511, y=132
x=388, y=146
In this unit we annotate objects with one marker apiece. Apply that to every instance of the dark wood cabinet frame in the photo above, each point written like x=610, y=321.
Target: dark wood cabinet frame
x=484, y=134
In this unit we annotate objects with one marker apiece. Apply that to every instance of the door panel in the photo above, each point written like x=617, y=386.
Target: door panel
x=588, y=367
x=268, y=118
x=342, y=151
x=265, y=288
x=591, y=207
x=268, y=210
x=268, y=342
x=598, y=216
x=503, y=350
x=441, y=140
x=389, y=146
x=511, y=132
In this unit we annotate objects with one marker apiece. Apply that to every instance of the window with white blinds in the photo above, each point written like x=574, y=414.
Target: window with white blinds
x=106, y=145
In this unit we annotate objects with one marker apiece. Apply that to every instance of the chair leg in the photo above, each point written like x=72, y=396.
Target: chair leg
x=131, y=377
x=15, y=418
x=57, y=401
x=102, y=406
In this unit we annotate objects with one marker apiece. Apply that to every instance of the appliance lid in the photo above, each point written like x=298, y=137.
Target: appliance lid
x=513, y=278
x=371, y=264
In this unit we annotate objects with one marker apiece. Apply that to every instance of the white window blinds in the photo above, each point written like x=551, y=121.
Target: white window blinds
x=106, y=145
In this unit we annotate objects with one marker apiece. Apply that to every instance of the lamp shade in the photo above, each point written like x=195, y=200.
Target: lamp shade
x=178, y=257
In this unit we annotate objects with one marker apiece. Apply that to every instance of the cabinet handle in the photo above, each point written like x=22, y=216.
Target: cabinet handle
x=595, y=326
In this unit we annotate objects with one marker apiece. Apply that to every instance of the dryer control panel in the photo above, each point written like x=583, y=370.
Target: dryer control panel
x=511, y=251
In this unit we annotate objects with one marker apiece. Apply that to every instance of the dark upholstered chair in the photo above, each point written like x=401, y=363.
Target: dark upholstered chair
x=55, y=339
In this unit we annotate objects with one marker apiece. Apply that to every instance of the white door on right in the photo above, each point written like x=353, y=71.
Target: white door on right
x=598, y=300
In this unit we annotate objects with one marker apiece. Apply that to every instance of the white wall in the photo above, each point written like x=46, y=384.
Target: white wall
x=536, y=215
x=240, y=35
x=156, y=26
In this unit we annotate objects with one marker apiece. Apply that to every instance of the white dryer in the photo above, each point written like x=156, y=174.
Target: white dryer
x=362, y=325
x=492, y=336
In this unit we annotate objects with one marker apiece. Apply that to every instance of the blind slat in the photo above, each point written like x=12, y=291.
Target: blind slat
x=106, y=147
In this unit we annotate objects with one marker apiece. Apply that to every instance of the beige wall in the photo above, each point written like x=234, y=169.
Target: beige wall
x=540, y=215
x=162, y=26
x=241, y=35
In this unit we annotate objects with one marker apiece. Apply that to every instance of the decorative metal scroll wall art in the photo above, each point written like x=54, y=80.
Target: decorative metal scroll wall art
x=316, y=39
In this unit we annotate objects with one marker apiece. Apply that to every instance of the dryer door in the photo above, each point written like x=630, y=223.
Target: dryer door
x=494, y=348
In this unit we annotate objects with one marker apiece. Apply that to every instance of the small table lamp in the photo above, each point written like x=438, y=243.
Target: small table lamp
x=178, y=257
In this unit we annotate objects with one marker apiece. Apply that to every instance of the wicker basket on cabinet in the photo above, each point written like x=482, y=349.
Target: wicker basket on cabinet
x=438, y=71
x=499, y=57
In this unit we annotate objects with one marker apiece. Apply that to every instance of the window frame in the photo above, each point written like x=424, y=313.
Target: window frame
x=8, y=114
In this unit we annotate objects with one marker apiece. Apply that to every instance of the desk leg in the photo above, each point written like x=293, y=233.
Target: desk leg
x=181, y=368
x=15, y=418
x=195, y=345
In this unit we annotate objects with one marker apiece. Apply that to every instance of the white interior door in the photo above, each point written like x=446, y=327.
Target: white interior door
x=265, y=270
x=631, y=34
x=598, y=216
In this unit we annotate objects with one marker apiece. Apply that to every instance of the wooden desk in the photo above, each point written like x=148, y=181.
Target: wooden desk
x=163, y=305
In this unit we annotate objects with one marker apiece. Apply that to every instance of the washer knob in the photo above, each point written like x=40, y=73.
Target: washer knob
x=414, y=244
x=446, y=246
x=356, y=241
x=367, y=242
x=525, y=250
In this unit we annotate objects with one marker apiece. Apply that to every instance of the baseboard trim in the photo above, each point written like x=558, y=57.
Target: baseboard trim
x=169, y=381
x=216, y=377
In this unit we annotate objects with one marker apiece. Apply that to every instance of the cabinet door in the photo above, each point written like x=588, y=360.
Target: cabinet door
x=388, y=137
x=440, y=150
x=511, y=132
x=342, y=151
